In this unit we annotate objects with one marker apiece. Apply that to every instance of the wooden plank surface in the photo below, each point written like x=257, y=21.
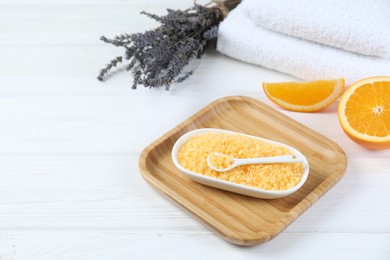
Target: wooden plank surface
x=123, y=245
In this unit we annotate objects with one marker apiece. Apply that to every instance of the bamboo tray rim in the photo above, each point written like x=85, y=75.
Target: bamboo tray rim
x=283, y=221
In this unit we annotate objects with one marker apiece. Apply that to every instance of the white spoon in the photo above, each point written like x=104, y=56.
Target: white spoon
x=234, y=162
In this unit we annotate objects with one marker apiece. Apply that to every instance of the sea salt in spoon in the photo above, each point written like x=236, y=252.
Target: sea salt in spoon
x=234, y=162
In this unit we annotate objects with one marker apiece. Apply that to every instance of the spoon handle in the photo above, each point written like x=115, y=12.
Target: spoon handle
x=271, y=159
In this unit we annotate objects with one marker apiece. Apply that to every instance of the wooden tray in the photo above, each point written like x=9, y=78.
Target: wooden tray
x=240, y=219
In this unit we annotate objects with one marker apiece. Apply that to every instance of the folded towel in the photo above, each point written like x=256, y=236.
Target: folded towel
x=240, y=38
x=361, y=26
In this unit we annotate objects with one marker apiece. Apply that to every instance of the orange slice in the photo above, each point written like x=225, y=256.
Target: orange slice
x=304, y=96
x=364, y=112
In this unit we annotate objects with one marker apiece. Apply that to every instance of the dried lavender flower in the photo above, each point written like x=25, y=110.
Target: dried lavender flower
x=157, y=57
x=211, y=33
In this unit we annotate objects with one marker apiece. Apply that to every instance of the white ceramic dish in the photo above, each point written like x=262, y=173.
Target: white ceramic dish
x=230, y=186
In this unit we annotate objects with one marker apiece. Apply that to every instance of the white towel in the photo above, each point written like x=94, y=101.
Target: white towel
x=240, y=38
x=361, y=26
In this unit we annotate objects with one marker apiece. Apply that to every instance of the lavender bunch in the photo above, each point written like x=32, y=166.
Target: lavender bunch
x=157, y=57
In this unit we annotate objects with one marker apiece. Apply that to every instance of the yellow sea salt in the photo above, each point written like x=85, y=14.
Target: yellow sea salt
x=193, y=156
x=220, y=161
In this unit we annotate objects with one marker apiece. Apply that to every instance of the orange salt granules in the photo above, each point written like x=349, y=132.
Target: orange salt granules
x=193, y=156
x=220, y=161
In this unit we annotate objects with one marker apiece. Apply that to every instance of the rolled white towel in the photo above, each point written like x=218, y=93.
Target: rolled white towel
x=361, y=26
x=240, y=38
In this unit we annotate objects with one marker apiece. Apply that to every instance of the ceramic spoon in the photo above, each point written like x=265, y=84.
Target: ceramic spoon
x=234, y=162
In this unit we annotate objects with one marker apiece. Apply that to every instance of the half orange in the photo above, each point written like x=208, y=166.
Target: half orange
x=364, y=112
x=304, y=96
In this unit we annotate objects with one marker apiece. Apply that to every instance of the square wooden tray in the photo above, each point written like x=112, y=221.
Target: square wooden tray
x=240, y=219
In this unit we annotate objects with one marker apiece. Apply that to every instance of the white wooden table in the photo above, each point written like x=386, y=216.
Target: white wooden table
x=70, y=187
